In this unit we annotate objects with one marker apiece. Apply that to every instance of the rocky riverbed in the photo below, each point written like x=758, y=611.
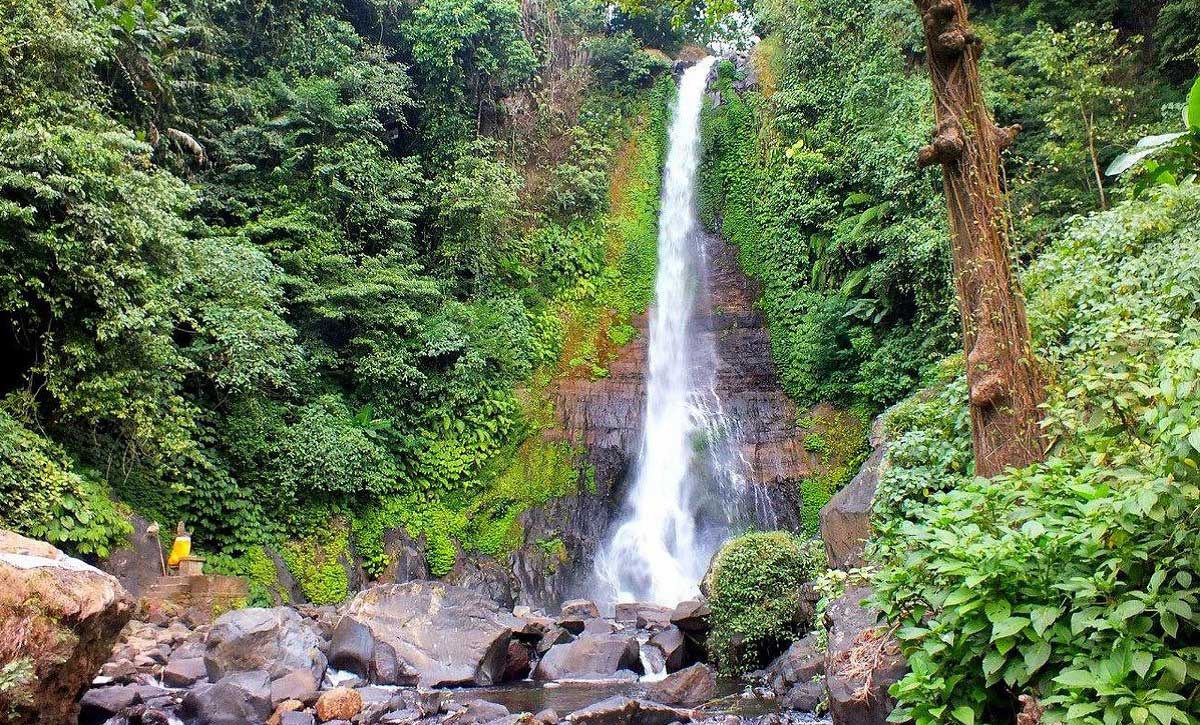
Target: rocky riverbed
x=428, y=652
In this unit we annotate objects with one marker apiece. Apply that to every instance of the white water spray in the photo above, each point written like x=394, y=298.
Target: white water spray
x=678, y=509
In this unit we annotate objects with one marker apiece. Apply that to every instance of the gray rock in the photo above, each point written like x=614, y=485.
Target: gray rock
x=620, y=710
x=406, y=557
x=595, y=655
x=690, y=687
x=296, y=718
x=184, y=671
x=352, y=647
x=805, y=697
x=483, y=575
x=295, y=685
x=671, y=643
x=481, y=711
x=388, y=669
x=275, y=640
x=449, y=635
x=101, y=703
x=287, y=589
x=802, y=662
x=138, y=563
x=846, y=519
x=859, y=698
x=238, y=699
x=547, y=717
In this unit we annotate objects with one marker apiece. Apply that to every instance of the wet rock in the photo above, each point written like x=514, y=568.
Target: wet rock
x=295, y=685
x=485, y=576
x=689, y=687
x=68, y=615
x=406, y=557
x=799, y=664
x=275, y=640
x=101, y=703
x=481, y=711
x=547, y=717
x=579, y=608
x=846, y=519
x=533, y=627
x=805, y=697
x=671, y=643
x=620, y=710
x=574, y=623
x=861, y=663
x=340, y=703
x=449, y=635
x=352, y=647
x=692, y=616
x=596, y=655
x=518, y=661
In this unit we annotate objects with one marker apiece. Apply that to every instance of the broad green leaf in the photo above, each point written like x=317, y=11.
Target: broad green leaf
x=1193, y=106
x=964, y=714
x=1008, y=627
x=1036, y=656
x=1076, y=679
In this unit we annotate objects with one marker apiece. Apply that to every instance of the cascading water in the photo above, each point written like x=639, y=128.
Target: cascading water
x=687, y=482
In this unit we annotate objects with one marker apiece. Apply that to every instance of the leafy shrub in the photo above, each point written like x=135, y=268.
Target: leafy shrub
x=753, y=589
x=619, y=61
x=1075, y=579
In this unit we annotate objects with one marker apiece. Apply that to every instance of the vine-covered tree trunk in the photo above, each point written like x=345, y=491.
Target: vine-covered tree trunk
x=1005, y=385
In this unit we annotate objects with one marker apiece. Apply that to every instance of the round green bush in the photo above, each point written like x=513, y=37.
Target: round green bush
x=754, y=590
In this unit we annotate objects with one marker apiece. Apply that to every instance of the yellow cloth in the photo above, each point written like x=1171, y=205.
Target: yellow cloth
x=180, y=550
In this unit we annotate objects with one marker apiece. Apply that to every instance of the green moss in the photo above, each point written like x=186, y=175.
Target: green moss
x=555, y=551
x=754, y=598
x=838, y=439
x=317, y=563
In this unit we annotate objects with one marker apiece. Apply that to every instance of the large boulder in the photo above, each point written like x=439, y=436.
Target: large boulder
x=672, y=644
x=274, y=640
x=692, y=616
x=846, y=518
x=352, y=647
x=589, y=656
x=62, y=616
x=861, y=662
x=689, y=687
x=449, y=635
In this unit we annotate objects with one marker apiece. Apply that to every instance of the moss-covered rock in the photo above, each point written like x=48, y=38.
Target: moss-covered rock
x=756, y=587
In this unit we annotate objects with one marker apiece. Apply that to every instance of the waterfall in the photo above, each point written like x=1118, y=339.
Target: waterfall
x=680, y=505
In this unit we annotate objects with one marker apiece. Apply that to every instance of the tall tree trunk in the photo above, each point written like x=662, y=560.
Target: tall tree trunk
x=1005, y=384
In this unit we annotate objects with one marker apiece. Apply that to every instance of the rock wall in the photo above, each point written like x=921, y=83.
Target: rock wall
x=604, y=417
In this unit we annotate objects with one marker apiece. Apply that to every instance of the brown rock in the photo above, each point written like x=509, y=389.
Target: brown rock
x=63, y=615
x=340, y=703
x=284, y=707
x=861, y=663
x=518, y=662
x=620, y=710
x=802, y=662
x=579, y=607
x=846, y=519
x=295, y=685
x=671, y=643
x=690, y=687
x=587, y=656
x=692, y=617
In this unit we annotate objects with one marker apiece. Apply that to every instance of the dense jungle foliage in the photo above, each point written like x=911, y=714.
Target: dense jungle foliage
x=1074, y=581
x=268, y=265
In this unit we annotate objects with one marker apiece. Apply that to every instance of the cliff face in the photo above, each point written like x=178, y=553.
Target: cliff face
x=604, y=418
